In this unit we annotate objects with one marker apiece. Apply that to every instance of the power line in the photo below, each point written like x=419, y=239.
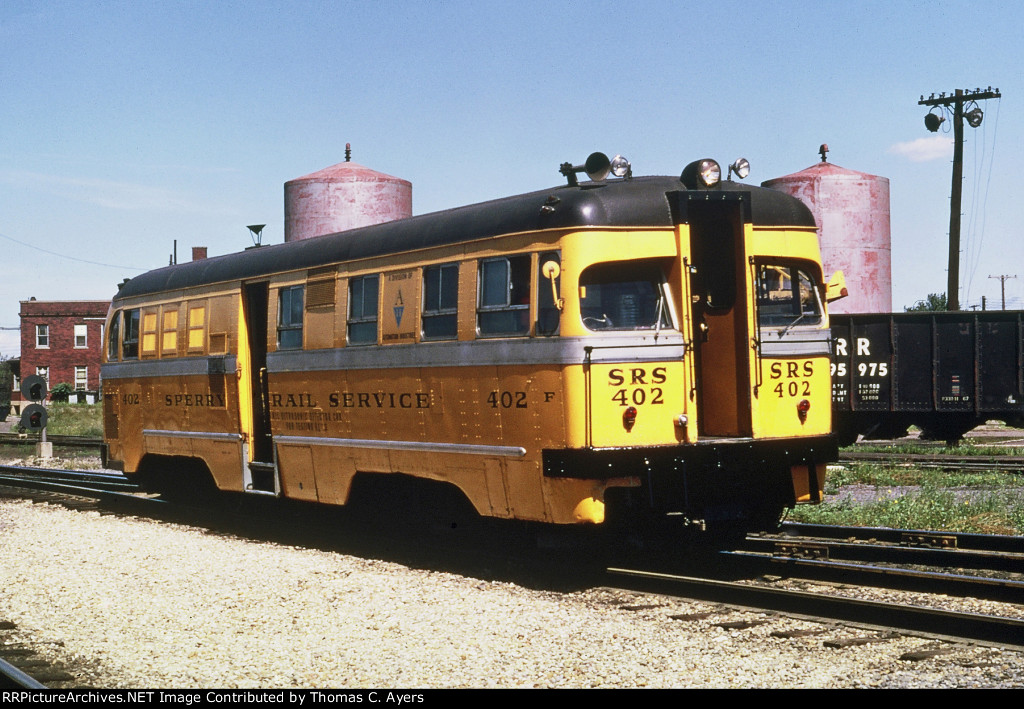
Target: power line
x=954, y=105
x=1002, y=286
x=70, y=258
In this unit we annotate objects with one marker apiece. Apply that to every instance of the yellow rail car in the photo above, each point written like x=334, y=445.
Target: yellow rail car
x=649, y=348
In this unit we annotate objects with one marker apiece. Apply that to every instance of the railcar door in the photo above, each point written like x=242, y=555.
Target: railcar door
x=720, y=315
x=254, y=414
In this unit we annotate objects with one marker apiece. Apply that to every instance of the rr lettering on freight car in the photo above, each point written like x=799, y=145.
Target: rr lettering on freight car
x=873, y=369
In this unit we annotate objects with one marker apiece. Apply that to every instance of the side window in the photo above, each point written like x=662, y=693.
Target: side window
x=115, y=334
x=786, y=296
x=196, y=327
x=289, y=318
x=170, y=331
x=440, y=301
x=624, y=295
x=130, y=343
x=149, y=333
x=504, y=297
x=362, y=310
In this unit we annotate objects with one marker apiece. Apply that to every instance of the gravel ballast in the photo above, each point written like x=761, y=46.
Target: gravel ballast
x=133, y=603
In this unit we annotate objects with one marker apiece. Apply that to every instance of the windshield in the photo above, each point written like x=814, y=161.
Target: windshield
x=786, y=296
x=626, y=295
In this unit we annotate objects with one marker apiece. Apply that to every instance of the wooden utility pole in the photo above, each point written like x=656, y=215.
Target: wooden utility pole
x=1002, y=286
x=932, y=122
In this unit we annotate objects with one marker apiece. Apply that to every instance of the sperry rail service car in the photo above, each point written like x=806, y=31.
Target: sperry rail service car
x=650, y=348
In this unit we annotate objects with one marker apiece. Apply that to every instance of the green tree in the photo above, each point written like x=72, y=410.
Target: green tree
x=61, y=392
x=934, y=301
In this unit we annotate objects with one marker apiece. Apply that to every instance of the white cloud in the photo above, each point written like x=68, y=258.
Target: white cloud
x=924, y=149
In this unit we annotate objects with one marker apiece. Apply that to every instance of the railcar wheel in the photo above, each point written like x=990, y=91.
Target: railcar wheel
x=177, y=478
x=402, y=500
x=846, y=436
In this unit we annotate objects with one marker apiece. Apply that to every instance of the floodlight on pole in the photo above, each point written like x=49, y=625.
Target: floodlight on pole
x=257, y=233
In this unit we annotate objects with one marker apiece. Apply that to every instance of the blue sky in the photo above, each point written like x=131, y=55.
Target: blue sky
x=127, y=125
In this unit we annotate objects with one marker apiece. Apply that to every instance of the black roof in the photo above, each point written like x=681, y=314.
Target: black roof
x=638, y=202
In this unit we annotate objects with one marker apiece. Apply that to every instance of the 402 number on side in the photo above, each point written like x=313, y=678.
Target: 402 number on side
x=507, y=399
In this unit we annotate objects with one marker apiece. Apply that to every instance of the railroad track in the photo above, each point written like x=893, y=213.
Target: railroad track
x=844, y=558
x=879, y=616
x=747, y=578
x=68, y=441
x=989, y=567
x=12, y=677
x=1007, y=463
x=88, y=480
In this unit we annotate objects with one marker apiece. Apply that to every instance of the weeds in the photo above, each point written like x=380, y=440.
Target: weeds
x=912, y=498
x=964, y=449
x=75, y=420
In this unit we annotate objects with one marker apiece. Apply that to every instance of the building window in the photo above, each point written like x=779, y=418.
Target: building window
x=440, y=302
x=504, y=296
x=289, y=318
x=362, y=310
x=81, y=378
x=44, y=372
x=81, y=336
x=42, y=336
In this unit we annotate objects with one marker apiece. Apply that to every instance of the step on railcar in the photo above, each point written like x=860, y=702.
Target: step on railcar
x=624, y=348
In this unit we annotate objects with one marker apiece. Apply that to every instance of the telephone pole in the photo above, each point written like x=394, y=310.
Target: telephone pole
x=1002, y=286
x=932, y=123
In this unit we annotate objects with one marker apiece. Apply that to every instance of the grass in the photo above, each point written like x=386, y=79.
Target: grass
x=964, y=449
x=912, y=498
x=75, y=420
x=63, y=419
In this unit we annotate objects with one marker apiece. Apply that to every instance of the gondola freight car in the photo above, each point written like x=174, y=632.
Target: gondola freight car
x=942, y=372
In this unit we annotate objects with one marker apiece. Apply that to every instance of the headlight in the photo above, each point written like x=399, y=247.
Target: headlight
x=620, y=166
x=740, y=168
x=710, y=172
x=701, y=174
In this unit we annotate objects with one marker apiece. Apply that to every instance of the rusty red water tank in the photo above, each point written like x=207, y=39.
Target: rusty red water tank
x=342, y=197
x=852, y=212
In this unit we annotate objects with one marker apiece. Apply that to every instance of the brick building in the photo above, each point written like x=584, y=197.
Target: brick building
x=62, y=340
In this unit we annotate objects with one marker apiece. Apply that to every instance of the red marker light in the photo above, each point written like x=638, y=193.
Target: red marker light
x=802, y=408
x=629, y=418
